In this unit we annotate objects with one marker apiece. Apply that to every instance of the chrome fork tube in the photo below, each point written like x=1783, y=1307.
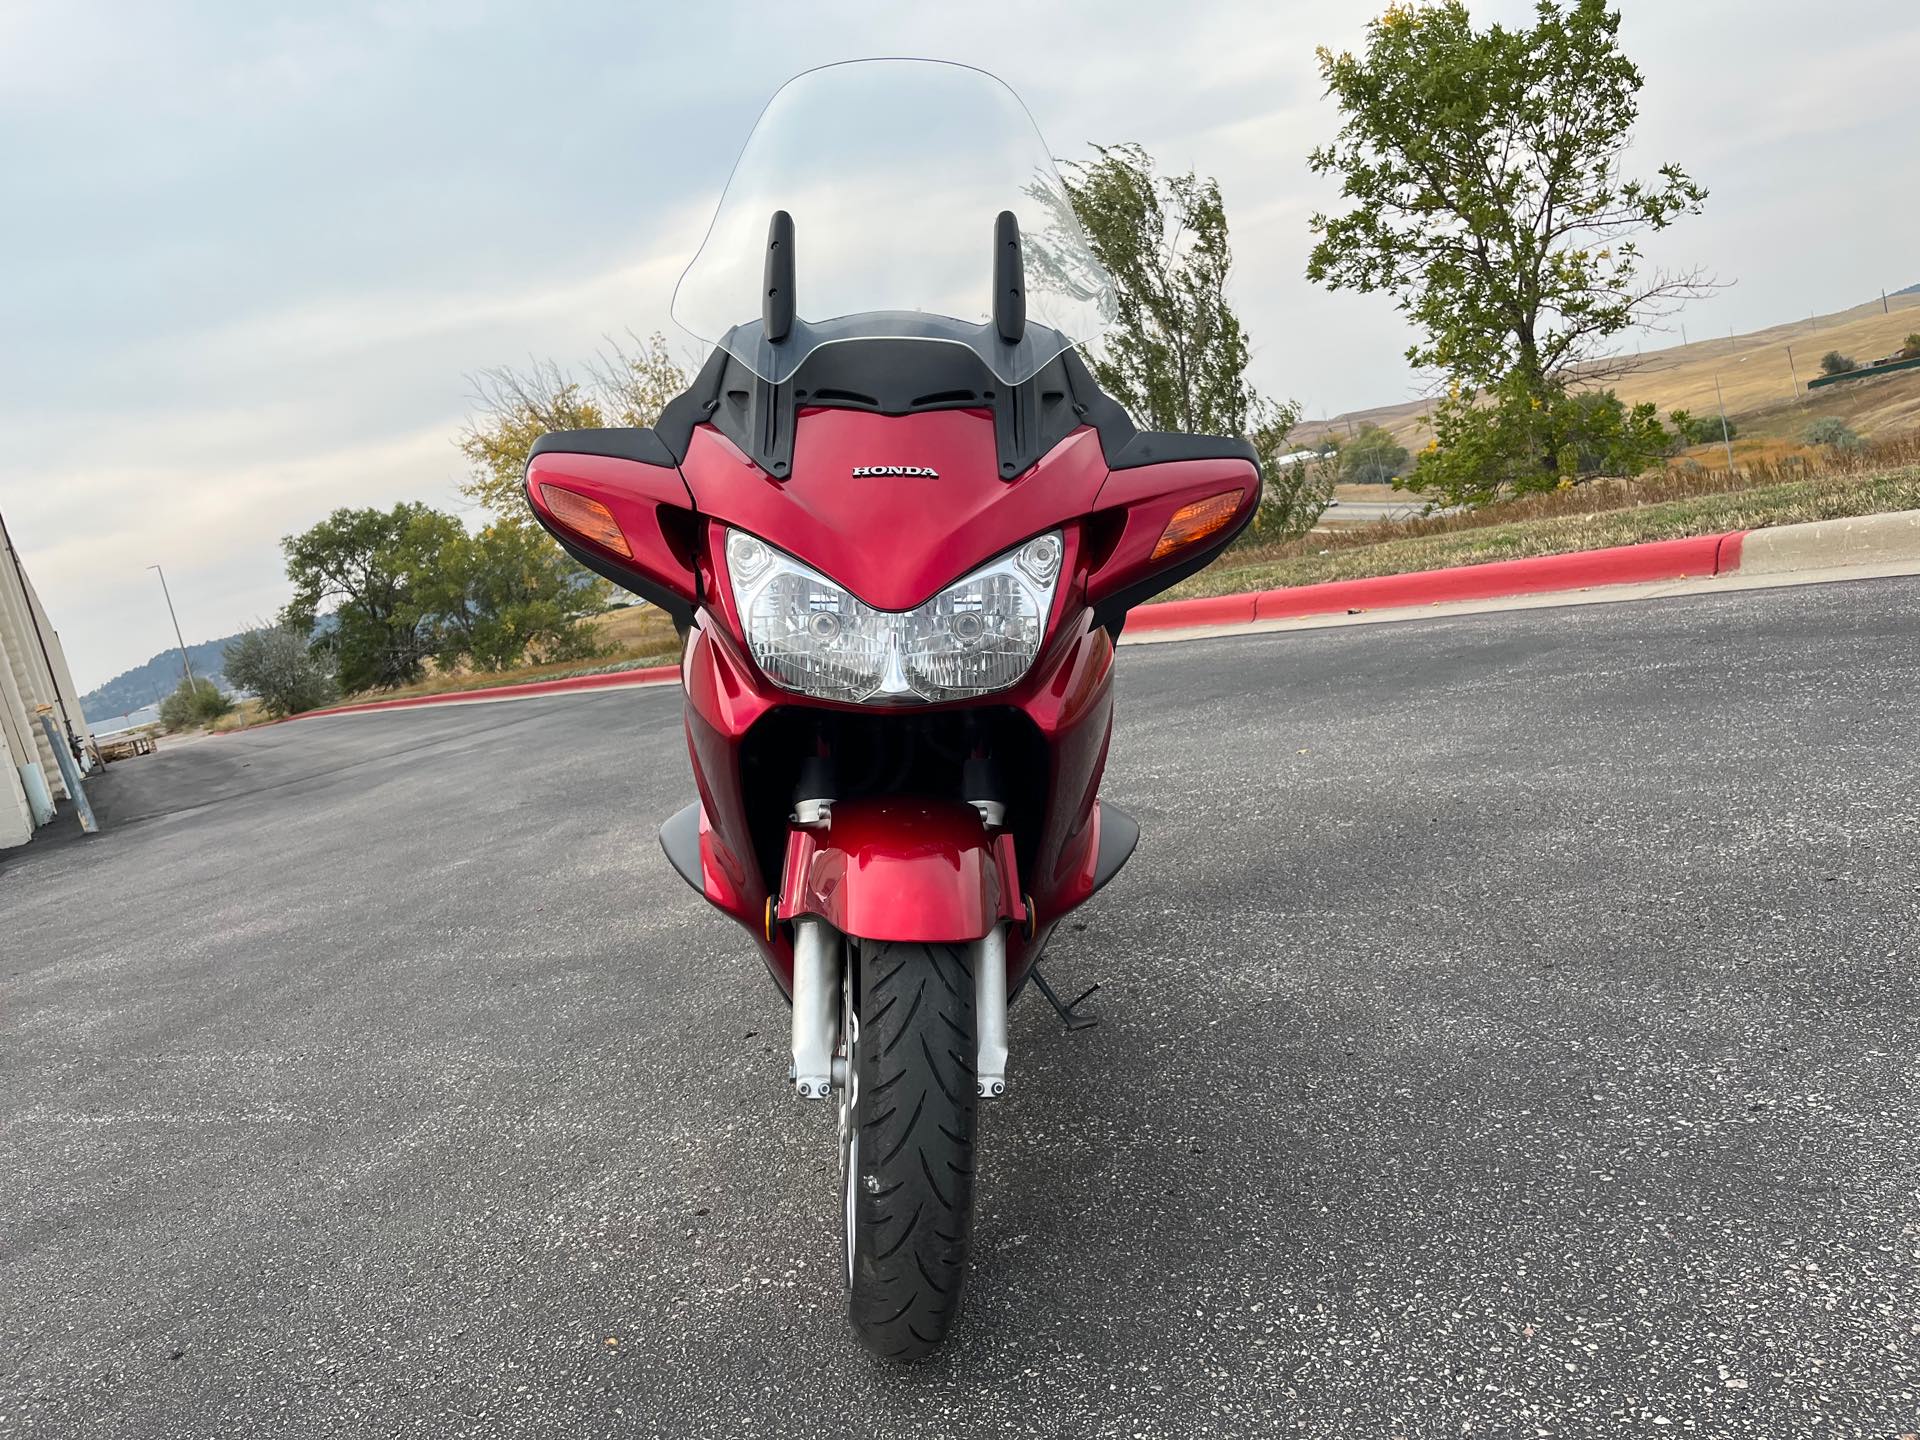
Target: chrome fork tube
x=816, y=1006
x=990, y=1011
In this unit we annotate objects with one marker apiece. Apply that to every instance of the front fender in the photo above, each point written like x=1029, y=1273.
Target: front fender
x=902, y=868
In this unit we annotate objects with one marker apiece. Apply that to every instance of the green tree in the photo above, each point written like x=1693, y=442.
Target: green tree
x=278, y=665
x=1483, y=171
x=1371, y=456
x=493, y=596
x=1176, y=357
x=193, y=705
x=1511, y=440
x=1701, y=429
x=367, y=569
x=1834, y=363
x=514, y=408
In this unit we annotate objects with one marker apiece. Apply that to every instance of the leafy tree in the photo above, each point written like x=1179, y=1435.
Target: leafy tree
x=516, y=407
x=189, y=706
x=1294, y=497
x=276, y=663
x=1483, y=169
x=1702, y=429
x=1371, y=457
x=1177, y=354
x=1910, y=347
x=1832, y=432
x=370, y=567
x=1512, y=440
x=1596, y=433
x=1834, y=363
x=492, y=596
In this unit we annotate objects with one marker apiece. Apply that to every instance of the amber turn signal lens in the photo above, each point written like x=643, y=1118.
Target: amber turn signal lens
x=1193, y=523
x=588, y=519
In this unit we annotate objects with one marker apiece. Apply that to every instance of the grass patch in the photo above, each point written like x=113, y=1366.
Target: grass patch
x=1662, y=507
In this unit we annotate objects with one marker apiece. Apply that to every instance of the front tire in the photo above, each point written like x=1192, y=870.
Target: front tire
x=907, y=1142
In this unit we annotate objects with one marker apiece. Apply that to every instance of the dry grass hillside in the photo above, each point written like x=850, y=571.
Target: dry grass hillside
x=1754, y=371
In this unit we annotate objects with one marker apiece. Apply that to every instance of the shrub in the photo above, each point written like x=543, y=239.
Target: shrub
x=1910, y=347
x=1293, y=499
x=1834, y=363
x=188, y=707
x=1833, y=433
x=274, y=662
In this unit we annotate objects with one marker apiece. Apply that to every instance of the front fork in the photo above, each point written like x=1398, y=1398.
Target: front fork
x=818, y=961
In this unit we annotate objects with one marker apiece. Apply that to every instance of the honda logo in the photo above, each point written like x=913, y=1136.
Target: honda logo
x=926, y=472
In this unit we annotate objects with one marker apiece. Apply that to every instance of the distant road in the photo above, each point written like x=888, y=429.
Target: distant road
x=1508, y=1028
x=1369, y=512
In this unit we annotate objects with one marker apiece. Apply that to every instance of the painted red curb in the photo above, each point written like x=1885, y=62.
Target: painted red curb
x=1699, y=555
x=614, y=680
x=1189, y=614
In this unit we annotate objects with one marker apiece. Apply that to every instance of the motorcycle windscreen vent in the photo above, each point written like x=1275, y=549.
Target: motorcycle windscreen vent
x=1193, y=523
x=588, y=519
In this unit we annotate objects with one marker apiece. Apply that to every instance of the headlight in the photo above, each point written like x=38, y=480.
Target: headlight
x=978, y=635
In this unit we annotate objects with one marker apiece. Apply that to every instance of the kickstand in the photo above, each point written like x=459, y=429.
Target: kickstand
x=1071, y=1014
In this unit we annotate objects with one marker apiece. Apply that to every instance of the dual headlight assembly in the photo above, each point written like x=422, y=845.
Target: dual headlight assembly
x=978, y=635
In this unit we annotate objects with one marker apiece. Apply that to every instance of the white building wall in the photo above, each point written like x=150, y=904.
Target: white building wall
x=16, y=820
x=33, y=672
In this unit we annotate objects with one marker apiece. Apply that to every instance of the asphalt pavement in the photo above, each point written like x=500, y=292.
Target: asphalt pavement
x=1508, y=1029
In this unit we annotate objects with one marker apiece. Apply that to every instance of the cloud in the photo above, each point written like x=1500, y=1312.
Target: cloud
x=265, y=247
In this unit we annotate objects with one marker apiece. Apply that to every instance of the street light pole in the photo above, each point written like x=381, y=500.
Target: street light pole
x=185, y=664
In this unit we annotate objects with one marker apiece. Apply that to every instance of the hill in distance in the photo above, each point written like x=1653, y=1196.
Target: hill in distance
x=152, y=682
x=1756, y=371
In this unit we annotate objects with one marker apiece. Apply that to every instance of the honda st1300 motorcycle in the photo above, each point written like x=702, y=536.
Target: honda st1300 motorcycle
x=900, y=528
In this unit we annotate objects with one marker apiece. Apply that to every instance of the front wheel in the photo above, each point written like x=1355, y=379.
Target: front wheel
x=907, y=1142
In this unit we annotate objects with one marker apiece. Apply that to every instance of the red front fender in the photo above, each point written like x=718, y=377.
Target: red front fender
x=902, y=869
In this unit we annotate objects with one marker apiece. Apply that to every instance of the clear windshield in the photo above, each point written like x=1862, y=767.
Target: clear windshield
x=894, y=172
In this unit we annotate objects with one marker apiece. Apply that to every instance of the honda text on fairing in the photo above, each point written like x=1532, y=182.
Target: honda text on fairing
x=900, y=528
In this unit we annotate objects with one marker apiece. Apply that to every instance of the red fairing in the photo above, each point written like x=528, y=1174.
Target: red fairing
x=650, y=503
x=895, y=542
x=909, y=867
x=1068, y=697
x=1142, y=501
x=903, y=869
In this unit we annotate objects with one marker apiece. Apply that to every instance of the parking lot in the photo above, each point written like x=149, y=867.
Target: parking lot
x=1508, y=1028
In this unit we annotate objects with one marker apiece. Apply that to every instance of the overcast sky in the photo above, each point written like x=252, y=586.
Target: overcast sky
x=251, y=251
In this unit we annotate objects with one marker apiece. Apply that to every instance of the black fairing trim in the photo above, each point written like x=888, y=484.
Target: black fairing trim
x=680, y=838
x=886, y=377
x=624, y=443
x=1111, y=613
x=692, y=407
x=1158, y=447
x=905, y=377
x=1119, y=833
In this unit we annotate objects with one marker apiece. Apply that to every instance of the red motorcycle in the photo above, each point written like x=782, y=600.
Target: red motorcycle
x=900, y=528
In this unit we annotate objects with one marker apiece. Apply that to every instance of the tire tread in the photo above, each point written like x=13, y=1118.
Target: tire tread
x=907, y=1281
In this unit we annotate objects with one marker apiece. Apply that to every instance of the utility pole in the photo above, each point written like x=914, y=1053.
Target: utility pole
x=185, y=664
x=1885, y=309
x=1726, y=436
x=1794, y=370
